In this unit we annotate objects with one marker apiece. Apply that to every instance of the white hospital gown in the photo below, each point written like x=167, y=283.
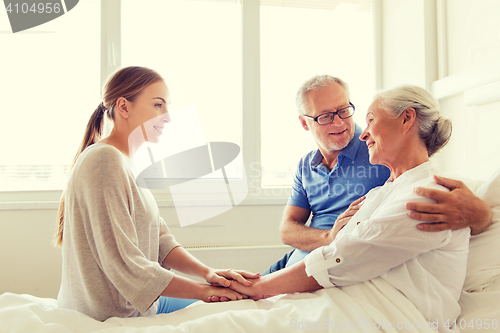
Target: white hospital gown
x=382, y=240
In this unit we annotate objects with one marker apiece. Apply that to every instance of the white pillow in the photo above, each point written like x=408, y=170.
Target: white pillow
x=483, y=265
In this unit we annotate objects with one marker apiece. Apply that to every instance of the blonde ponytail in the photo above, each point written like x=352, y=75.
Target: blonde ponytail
x=93, y=134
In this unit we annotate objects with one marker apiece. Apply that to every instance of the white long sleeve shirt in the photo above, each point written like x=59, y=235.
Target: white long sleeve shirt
x=382, y=240
x=114, y=240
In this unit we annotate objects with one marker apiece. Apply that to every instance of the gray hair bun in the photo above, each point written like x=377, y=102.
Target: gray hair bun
x=434, y=129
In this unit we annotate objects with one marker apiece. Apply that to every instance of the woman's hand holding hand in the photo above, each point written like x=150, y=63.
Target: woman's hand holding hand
x=220, y=280
x=223, y=277
x=251, y=291
x=220, y=294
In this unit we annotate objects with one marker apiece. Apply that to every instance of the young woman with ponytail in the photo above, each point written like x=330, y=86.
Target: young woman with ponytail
x=116, y=249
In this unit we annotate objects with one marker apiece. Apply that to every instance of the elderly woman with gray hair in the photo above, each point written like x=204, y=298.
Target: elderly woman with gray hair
x=403, y=130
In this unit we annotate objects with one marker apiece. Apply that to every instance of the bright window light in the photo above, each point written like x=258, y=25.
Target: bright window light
x=50, y=86
x=196, y=47
x=300, y=39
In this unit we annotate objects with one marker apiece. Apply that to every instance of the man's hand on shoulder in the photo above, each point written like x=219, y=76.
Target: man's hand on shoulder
x=456, y=209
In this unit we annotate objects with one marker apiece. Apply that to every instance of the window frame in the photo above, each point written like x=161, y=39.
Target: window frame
x=251, y=106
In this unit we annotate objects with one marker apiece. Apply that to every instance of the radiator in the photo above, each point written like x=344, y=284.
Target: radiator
x=255, y=259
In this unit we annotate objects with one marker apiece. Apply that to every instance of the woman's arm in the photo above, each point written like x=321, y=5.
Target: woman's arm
x=180, y=287
x=350, y=259
x=376, y=246
x=182, y=261
x=292, y=279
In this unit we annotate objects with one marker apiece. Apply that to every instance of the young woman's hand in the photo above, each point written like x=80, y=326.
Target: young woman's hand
x=220, y=294
x=223, y=277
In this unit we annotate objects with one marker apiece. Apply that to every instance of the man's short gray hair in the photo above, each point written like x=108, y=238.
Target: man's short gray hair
x=316, y=82
x=434, y=129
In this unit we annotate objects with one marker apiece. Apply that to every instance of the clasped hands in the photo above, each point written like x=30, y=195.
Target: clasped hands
x=232, y=285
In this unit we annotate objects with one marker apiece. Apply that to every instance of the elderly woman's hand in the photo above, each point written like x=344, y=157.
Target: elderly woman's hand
x=344, y=218
x=457, y=209
x=251, y=292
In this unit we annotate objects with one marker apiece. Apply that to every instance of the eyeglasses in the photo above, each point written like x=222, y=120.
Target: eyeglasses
x=327, y=118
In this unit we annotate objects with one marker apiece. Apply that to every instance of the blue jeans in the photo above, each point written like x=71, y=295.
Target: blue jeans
x=280, y=264
x=170, y=304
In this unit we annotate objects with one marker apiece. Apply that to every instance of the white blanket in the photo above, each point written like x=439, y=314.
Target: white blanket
x=372, y=306
x=480, y=310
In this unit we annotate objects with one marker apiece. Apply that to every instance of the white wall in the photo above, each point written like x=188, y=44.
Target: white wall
x=408, y=43
x=472, y=41
x=422, y=46
x=28, y=262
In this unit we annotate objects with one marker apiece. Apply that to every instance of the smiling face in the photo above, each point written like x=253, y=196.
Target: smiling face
x=335, y=136
x=383, y=136
x=149, y=111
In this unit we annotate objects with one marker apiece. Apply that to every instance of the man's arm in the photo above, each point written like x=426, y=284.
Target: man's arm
x=294, y=232
x=457, y=209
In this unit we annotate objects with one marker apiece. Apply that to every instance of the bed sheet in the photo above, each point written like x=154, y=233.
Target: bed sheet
x=480, y=310
x=372, y=306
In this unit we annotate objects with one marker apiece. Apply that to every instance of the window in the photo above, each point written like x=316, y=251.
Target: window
x=51, y=85
x=300, y=39
x=238, y=62
x=196, y=47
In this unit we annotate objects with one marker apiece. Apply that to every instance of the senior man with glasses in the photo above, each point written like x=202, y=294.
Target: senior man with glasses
x=331, y=181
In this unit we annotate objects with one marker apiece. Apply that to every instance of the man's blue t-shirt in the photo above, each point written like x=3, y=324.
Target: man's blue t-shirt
x=328, y=193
